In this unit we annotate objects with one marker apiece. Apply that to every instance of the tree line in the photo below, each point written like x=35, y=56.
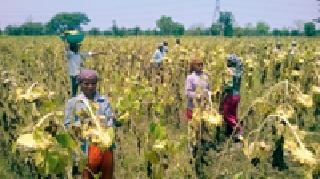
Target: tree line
x=165, y=25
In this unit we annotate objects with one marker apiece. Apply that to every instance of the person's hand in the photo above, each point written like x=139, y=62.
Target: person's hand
x=207, y=94
x=76, y=131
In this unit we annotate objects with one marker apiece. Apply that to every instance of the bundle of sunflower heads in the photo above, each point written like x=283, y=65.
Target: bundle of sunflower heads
x=212, y=117
x=160, y=145
x=316, y=94
x=103, y=137
x=37, y=140
x=285, y=110
x=32, y=94
x=304, y=100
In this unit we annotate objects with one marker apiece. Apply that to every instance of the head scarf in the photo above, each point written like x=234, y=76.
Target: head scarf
x=88, y=74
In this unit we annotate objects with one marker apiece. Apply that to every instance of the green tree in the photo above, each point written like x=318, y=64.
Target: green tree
x=262, y=28
x=177, y=29
x=13, y=30
x=295, y=33
x=107, y=32
x=215, y=29
x=309, y=29
x=284, y=32
x=238, y=31
x=168, y=27
x=94, y=31
x=150, y=32
x=64, y=20
x=122, y=31
x=32, y=28
x=165, y=25
x=226, y=18
x=276, y=32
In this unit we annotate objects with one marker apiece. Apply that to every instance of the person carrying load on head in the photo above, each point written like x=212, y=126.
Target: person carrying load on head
x=77, y=116
x=231, y=97
x=75, y=58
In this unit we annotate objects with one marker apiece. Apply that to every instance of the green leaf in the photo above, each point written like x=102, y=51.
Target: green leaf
x=238, y=176
x=151, y=156
x=66, y=141
x=160, y=132
x=52, y=160
x=152, y=127
x=39, y=158
x=56, y=161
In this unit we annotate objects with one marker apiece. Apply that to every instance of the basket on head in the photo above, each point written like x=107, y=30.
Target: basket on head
x=72, y=36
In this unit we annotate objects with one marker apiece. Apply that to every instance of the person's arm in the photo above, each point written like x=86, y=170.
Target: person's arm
x=66, y=45
x=68, y=52
x=223, y=93
x=207, y=87
x=68, y=114
x=110, y=119
x=85, y=55
x=156, y=55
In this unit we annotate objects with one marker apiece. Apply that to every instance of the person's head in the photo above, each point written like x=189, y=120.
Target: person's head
x=165, y=43
x=88, y=82
x=232, y=60
x=75, y=47
x=278, y=45
x=294, y=43
x=196, y=65
x=178, y=41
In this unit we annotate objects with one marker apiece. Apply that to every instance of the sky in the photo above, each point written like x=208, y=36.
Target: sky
x=144, y=13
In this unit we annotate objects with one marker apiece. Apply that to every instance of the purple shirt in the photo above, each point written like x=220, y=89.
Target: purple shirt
x=193, y=81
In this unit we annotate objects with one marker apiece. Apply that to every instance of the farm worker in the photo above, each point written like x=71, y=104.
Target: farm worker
x=158, y=56
x=97, y=160
x=278, y=46
x=231, y=97
x=196, y=86
x=165, y=47
x=278, y=60
x=177, y=42
x=293, y=49
x=75, y=62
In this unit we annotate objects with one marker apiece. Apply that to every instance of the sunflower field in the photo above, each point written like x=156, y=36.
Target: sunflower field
x=280, y=106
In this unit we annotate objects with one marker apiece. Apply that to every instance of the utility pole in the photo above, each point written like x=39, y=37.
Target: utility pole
x=216, y=12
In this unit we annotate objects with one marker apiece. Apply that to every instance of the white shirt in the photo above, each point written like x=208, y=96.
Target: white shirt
x=158, y=55
x=75, y=61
